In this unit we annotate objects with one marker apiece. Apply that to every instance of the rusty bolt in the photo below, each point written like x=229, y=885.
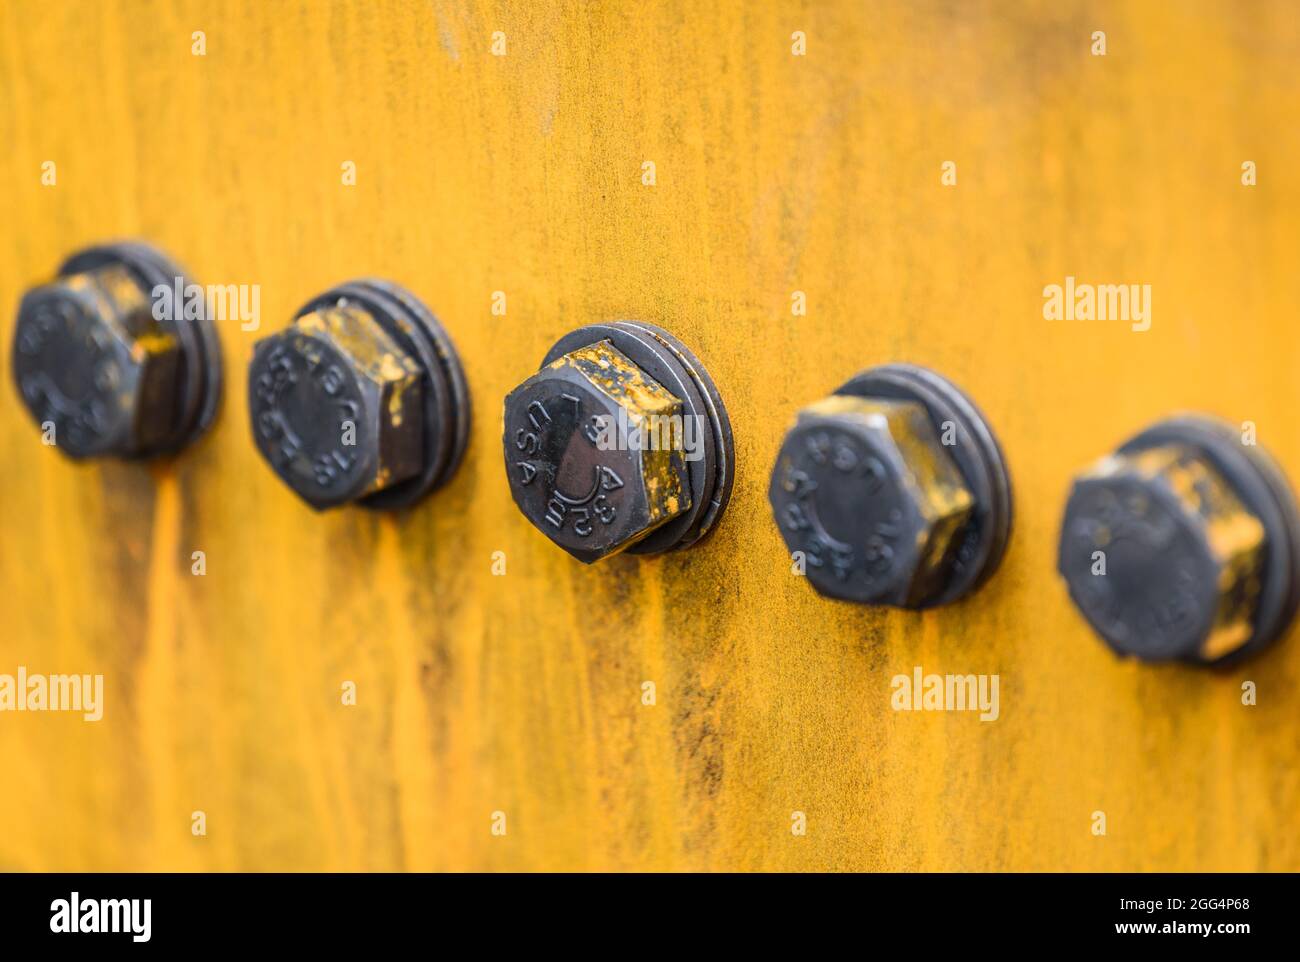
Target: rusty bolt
x=355, y=401
x=1181, y=545
x=594, y=498
x=104, y=371
x=620, y=442
x=892, y=491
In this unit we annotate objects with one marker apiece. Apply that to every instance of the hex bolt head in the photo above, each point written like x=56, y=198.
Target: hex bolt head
x=892, y=491
x=865, y=490
x=336, y=406
x=1181, y=545
x=352, y=401
x=593, y=496
x=91, y=358
x=618, y=443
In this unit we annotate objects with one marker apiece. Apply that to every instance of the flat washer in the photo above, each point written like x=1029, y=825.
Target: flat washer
x=449, y=361
x=723, y=447
x=202, y=333
x=657, y=360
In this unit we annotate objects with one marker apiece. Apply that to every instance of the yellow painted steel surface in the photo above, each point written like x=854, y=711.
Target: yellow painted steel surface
x=774, y=173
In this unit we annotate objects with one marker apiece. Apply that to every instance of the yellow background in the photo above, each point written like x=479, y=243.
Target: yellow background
x=522, y=174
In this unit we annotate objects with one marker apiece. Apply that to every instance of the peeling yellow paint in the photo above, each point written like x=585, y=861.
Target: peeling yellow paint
x=358, y=336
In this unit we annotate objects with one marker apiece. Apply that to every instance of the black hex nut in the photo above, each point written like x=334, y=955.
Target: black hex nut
x=114, y=371
x=620, y=442
x=893, y=491
x=1182, y=545
x=362, y=398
